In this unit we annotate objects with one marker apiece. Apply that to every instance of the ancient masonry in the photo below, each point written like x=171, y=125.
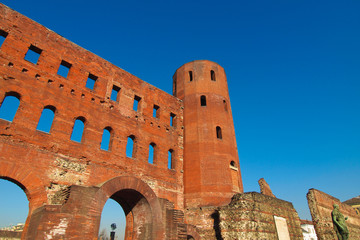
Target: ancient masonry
x=192, y=188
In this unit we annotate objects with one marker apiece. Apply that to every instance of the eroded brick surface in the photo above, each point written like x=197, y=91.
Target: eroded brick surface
x=49, y=165
x=67, y=183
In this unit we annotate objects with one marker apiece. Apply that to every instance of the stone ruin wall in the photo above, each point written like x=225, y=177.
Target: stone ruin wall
x=321, y=206
x=248, y=216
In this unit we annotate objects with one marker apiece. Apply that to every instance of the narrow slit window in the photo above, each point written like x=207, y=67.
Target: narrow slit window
x=172, y=119
x=46, y=119
x=218, y=132
x=64, y=69
x=203, y=100
x=90, y=83
x=212, y=75
x=130, y=146
x=225, y=105
x=9, y=106
x=190, y=76
x=136, y=103
x=156, y=112
x=106, y=139
x=33, y=54
x=171, y=162
x=115, y=93
x=151, y=158
x=78, y=130
x=3, y=35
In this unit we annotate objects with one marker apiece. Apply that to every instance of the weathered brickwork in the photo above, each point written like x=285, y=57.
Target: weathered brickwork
x=248, y=216
x=68, y=182
x=52, y=169
x=321, y=206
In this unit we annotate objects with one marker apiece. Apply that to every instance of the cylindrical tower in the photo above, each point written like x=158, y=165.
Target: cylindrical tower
x=211, y=163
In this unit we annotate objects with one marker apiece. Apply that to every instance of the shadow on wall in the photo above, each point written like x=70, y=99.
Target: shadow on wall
x=217, y=229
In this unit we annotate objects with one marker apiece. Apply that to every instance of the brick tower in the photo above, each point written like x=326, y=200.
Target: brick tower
x=211, y=164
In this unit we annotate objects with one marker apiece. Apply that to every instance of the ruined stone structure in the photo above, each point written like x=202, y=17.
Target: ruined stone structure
x=321, y=205
x=192, y=187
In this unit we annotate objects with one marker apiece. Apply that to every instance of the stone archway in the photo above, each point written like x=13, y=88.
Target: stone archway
x=144, y=219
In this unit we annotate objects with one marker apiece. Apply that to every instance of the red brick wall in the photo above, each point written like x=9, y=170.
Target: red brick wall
x=46, y=164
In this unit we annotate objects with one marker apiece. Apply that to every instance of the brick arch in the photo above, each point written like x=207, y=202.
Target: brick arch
x=25, y=179
x=124, y=190
x=24, y=95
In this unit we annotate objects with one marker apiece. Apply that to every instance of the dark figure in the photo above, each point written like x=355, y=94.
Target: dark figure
x=340, y=227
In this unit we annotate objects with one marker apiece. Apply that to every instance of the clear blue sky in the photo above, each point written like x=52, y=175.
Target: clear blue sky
x=293, y=70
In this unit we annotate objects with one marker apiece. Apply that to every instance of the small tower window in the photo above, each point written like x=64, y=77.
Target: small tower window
x=212, y=75
x=190, y=76
x=203, y=100
x=225, y=105
x=218, y=132
x=233, y=165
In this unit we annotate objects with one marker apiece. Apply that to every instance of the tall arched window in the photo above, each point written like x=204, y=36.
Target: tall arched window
x=106, y=139
x=78, y=129
x=46, y=119
x=190, y=76
x=152, y=148
x=9, y=106
x=203, y=100
x=212, y=75
x=130, y=146
x=218, y=132
x=171, y=162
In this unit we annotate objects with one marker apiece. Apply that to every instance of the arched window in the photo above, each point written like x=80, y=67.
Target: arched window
x=106, y=139
x=218, y=132
x=203, y=100
x=130, y=146
x=151, y=158
x=232, y=164
x=190, y=76
x=46, y=119
x=9, y=106
x=78, y=129
x=171, y=162
x=212, y=75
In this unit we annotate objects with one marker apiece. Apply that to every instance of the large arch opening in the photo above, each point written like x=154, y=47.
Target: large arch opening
x=14, y=207
x=112, y=213
x=141, y=207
